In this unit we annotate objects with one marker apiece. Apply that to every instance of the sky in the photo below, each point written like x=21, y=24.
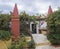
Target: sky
x=29, y=6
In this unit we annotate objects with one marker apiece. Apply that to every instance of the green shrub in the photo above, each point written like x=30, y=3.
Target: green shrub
x=53, y=25
x=4, y=21
x=31, y=44
x=5, y=35
x=19, y=43
x=54, y=38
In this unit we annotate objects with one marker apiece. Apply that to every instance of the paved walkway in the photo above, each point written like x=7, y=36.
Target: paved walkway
x=41, y=42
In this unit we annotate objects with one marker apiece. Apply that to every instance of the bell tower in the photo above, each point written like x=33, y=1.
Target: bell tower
x=15, y=23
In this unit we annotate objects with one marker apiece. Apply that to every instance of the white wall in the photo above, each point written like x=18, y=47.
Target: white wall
x=43, y=25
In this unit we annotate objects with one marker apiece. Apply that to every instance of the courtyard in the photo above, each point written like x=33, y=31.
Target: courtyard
x=29, y=24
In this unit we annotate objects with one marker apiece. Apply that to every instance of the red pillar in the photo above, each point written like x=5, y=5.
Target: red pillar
x=15, y=23
x=50, y=10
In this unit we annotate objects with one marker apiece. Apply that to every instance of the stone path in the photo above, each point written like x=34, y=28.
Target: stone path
x=39, y=38
x=41, y=42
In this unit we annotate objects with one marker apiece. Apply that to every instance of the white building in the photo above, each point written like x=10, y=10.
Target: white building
x=41, y=24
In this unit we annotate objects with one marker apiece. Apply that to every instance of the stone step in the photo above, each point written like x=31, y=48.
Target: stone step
x=46, y=47
x=41, y=42
x=39, y=38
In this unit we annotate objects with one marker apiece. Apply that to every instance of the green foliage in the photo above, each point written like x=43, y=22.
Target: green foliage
x=31, y=44
x=25, y=20
x=54, y=38
x=19, y=44
x=53, y=22
x=5, y=35
x=4, y=21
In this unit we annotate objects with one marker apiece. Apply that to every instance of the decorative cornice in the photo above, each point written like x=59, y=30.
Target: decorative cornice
x=15, y=17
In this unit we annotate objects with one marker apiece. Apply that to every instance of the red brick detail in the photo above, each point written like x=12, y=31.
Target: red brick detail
x=50, y=10
x=15, y=27
x=15, y=11
x=15, y=23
